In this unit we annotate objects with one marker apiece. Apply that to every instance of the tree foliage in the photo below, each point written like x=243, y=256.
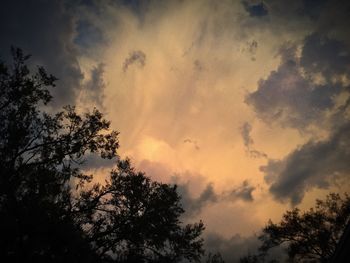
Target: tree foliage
x=138, y=219
x=51, y=211
x=311, y=236
x=214, y=258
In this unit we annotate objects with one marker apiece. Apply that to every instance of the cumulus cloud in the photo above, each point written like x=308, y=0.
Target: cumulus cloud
x=326, y=56
x=46, y=30
x=303, y=92
x=314, y=164
x=135, y=57
x=195, y=191
x=289, y=97
x=208, y=196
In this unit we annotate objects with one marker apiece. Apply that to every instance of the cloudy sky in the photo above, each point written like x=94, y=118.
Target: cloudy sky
x=244, y=104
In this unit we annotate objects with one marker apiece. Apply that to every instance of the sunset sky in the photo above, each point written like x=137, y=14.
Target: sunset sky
x=243, y=104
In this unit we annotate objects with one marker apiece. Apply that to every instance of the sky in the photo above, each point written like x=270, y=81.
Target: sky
x=243, y=104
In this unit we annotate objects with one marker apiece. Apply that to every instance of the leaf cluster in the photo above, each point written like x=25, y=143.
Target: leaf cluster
x=310, y=236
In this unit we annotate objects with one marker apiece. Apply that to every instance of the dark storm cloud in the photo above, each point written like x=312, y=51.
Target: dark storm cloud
x=313, y=8
x=243, y=192
x=88, y=34
x=255, y=9
x=194, y=205
x=44, y=29
x=248, y=141
x=292, y=99
x=94, y=88
x=324, y=55
x=289, y=97
x=302, y=92
x=138, y=7
x=135, y=57
x=94, y=161
x=314, y=164
x=299, y=16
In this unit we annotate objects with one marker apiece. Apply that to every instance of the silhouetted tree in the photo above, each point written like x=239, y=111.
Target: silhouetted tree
x=251, y=259
x=311, y=236
x=138, y=219
x=258, y=258
x=214, y=258
x=49, y=212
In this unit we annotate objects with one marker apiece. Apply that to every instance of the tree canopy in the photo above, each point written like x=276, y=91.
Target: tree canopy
x=138, y=220
x=310, y=236
x=52, y=211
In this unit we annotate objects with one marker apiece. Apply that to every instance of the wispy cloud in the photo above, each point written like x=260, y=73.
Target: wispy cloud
x=135, y=57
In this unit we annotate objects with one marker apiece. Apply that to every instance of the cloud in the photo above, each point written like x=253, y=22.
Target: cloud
x=195, y=191
x=209, y=45
x=245, y=132
x=94, y=161
x=326, y=56
x=94, y=88
x=88, y=34
x=258, y=10
x=243, y=192
x=303, y=93
x=208, y=196
x=248, y=141
x=252, y=47
x=46, y=30
x=135, y=57
x=193, y=142
x=313, y=8
x=192, y=205
x=198, y=65
x=314, y=164
x=289, y=97
x=198, y=38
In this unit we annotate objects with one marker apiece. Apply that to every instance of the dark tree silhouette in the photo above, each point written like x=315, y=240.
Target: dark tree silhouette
x=311, y=236
x=50, y=211
x=138, y=219
x=214, y=258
